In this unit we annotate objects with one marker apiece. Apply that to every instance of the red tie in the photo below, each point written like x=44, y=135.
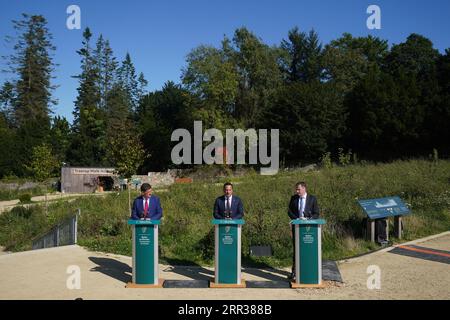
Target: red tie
x=146, y=207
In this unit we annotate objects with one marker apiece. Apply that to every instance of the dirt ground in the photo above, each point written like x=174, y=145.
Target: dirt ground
x=42, y=274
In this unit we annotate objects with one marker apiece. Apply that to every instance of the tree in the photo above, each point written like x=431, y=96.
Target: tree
x=160, y=113
x=43, y=163
x=60, y=141
x=259, y=76
x=33, y=65
x=348, y=59
x=386, y=116
x=414, y=56
x=417, y=59
x=8, y=162
x=29, y=94
x=212, y=75
x=303, y=56
x=438, y=116
x=7, y=101
x=88, y=139
x=107, y=68
x=310, y=119
x=125, y=149
x=127, y=79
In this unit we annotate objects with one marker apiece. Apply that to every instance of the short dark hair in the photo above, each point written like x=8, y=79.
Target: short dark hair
x=145, y=186
x=227, y=184
x=301, y=183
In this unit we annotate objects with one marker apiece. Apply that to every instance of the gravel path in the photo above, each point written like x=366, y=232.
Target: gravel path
x=42, y=274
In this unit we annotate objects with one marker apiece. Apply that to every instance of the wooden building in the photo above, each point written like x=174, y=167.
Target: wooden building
x=84, y=180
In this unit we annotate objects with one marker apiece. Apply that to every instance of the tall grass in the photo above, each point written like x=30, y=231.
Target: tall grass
x=186, y=235
x=14, y=194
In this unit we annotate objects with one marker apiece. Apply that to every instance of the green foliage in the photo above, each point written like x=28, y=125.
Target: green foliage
x=108, y=97
x=348, y=59
x=126, y=153
x=13, y=194
x=325, y=161
x=303, y=58
x=354, y=93
x=27, y=98
x=25, y=198
x=310, y=117
x=344, y=158
x=160, y=113
x=235, y=81
x=60, y=141
x=186, y=233
x=43, y=163
x=20, y=225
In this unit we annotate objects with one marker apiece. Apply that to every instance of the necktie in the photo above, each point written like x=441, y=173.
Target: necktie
x=300, y=207
x=146, y=207
x=228, y=208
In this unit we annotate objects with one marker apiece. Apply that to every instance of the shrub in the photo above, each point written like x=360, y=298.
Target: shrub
x=25, y=198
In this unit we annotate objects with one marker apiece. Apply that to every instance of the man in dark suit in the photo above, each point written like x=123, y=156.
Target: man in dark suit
x=301, y=206
x=146, y=206
x=228, y=206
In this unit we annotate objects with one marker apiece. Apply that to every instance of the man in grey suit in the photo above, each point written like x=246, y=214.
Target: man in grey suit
x=301, y=206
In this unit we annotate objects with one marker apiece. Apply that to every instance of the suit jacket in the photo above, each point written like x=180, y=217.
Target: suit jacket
x=154, y=208
x=237, y=208
x=311, y=210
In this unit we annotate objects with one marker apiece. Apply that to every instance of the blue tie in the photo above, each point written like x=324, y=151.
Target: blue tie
x=300, y=213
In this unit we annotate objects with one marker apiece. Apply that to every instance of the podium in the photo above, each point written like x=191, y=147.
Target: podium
x=145, y=254
x=227, y=261
x=308, y=253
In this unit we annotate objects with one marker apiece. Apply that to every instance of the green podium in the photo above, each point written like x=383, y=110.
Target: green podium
x=308, y=253
x=145, y=254
x=227, y=259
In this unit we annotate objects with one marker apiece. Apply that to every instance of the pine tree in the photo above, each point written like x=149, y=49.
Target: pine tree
x=107, y=67
x=88, y=140
x=30, y=93
x=125, y=149
x=7, y=100
x=60, y=142
x=127, y=79
x=302, y=56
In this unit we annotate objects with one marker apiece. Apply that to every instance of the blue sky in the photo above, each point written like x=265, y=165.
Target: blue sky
x=159, y=34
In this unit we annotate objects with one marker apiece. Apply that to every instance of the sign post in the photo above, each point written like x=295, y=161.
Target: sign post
x=145, y=254
x=380, y=208
x=227, y=260
x=308, y=253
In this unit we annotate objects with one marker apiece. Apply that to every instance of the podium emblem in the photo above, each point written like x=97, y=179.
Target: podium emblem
x=227, y=229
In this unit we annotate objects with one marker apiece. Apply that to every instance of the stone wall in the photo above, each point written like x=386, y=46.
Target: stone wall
x=156, y=179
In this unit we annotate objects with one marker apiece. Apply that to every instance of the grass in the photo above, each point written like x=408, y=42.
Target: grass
x=186, y=235
x=18, y=192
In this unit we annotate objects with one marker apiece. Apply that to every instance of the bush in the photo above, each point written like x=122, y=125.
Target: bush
x=25, y=198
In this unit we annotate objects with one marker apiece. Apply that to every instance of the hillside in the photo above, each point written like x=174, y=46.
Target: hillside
x=186, y=235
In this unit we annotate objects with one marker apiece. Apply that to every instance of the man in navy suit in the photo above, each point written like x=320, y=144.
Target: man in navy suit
x=301, y=206
x=228, y=206
x=146, y=206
